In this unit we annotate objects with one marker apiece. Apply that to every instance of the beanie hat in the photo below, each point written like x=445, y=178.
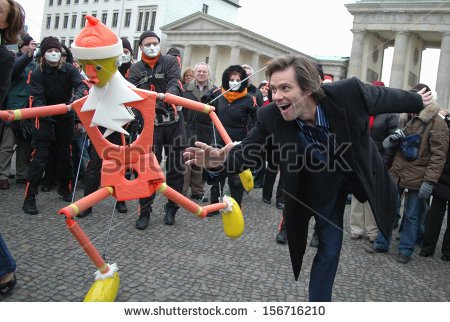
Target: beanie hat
x=173, y=52
x=226, y=77
x=377, y=83
x=25, y=40
x=146, y=34
x=96, y=41
x=49, y=42
x=126, y=44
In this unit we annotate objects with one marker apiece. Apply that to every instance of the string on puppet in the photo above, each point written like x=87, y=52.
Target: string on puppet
x=79, y=167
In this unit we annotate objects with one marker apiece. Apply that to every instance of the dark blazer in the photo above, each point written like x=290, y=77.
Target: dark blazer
x=347, y=106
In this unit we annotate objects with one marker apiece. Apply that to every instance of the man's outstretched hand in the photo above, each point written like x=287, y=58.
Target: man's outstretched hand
x=205, y=156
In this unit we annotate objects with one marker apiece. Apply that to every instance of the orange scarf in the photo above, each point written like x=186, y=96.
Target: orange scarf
x=232, y=96
x=149, y=60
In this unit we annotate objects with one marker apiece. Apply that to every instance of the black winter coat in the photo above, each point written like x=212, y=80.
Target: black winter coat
x=163, y=78
x=6, y=65
x=234, y=115
x=57, y=85
x=383, y=126
x=347, y=107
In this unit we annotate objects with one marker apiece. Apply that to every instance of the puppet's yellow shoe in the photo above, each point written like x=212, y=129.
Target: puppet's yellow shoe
x=232, y=218
x=247, y=180
x=104, y=290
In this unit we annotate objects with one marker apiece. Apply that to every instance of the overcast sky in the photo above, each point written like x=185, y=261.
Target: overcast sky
x=316, y=28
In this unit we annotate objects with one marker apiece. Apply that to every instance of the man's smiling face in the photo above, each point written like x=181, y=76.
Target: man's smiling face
x=291, y=100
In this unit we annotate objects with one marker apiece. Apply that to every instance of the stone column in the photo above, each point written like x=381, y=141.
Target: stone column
x=213, y=50
x=234, y=55
x=187, y=56
x=443, y=77
x=356, y=57
x=255, y=62
x=399, y=59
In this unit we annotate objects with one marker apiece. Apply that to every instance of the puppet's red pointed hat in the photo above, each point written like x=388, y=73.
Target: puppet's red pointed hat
x=96, y=41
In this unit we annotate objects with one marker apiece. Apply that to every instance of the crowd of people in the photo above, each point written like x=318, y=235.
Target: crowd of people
x=293, y=126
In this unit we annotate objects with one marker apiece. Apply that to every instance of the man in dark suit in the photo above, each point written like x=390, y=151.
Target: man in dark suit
x=323, y=147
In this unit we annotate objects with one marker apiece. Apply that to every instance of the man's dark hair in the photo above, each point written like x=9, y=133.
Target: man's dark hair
x=419, y=87
x=305, y=70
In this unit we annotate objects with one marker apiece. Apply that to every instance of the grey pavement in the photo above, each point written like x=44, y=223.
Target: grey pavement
x=193, y=260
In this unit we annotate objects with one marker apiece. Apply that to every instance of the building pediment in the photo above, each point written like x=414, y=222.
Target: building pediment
x=198, y=21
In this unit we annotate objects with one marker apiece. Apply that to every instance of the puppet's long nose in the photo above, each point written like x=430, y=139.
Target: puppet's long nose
x=91, y=73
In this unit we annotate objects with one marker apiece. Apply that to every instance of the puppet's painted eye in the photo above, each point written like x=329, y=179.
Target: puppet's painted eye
x=98, y=67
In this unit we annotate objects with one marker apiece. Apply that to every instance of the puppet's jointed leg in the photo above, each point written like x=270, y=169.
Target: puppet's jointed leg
x=233, y=221
x=107, y=281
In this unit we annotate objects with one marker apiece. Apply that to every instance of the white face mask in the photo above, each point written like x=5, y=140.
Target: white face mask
x=53, y=56
x=151, y=51
x=234, y=85
x=126, y=58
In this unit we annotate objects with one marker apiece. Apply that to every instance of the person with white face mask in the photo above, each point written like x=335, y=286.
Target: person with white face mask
x=126, y=58
x=234, y=107
x=162, y=74
x=54, y=82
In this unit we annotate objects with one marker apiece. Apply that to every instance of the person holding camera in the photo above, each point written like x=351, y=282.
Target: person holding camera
x=423, y=143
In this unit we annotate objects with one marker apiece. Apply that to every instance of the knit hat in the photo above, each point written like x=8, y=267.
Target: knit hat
x=173, y=52
x=377, y=83
x=49, y=42
x=25, y=40
x=126, y=44
x=96, y=41
x=146, y=34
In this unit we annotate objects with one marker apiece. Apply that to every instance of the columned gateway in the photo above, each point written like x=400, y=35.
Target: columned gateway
x=410, y=26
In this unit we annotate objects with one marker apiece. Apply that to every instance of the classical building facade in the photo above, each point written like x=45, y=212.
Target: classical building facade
x=410, y=26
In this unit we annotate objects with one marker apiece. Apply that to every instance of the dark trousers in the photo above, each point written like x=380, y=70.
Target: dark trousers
x=49, y=178
x=63, y=132
x=172, y=139
x=269, y=180
x=433, y=227
x=92, y=175
x=236, y=189
x=329, y=227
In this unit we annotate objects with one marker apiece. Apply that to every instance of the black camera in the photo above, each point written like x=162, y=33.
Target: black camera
x=394, y=139
x=397, y=136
